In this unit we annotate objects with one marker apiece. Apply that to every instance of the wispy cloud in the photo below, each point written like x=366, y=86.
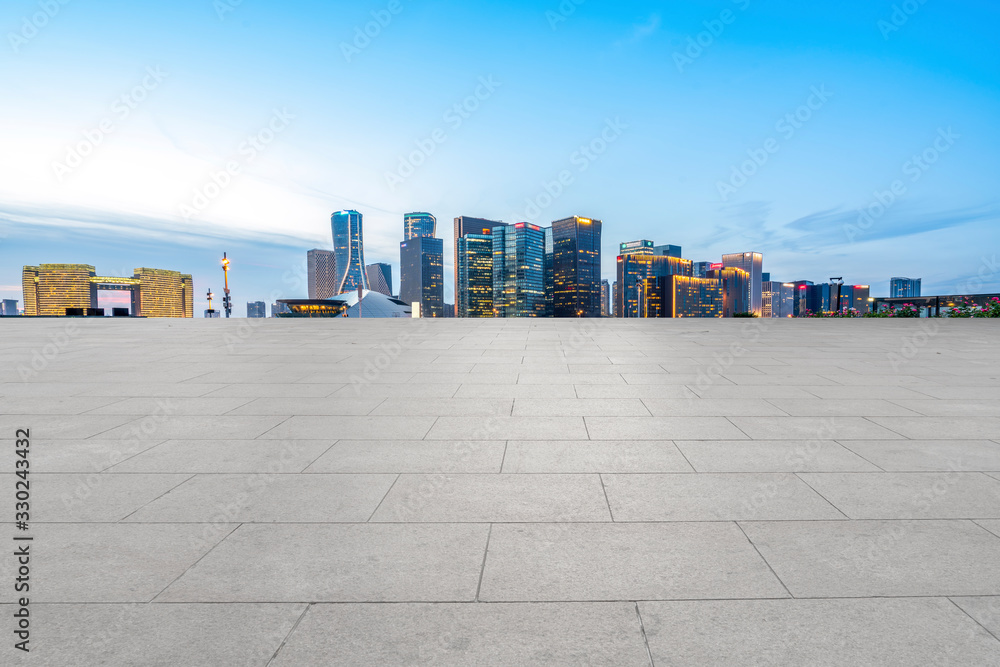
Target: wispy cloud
x=642, y=31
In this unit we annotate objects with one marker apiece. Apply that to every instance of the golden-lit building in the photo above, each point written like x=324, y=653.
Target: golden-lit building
x=681, y=296
x=56, y=289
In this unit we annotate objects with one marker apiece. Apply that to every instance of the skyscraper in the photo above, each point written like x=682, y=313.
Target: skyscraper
x=778, y=299
x=701, y=269
x=321, y=266
x=416, y=225
x=900, y=288
x=735, y=290
x=668, y=250
x=256, y=310
x=10, y=308
x=633, y=269
x=576, y=267
x=614, y=300
x=519, y=270
x=421, y=274
x=466, y=225
x=349, y=249
x=753, y=264
x=605, y=298
x=475, y=276
x=642, y=247
x=682, y=296
x=380, y=278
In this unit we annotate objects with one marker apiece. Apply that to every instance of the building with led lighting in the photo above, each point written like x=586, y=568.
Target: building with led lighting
x=416, y=225
x=735, y=293
x=518, y=270
x=465, y=225
x=474, y=297
x=605, y=298
x=634, y=269
x=682, y=296
x=349, y=251
x=778, y=299
x=576, y=267
x=753, y=264
x=903, y=287
x=421, y=274
x=55, y=290
x=321, y=267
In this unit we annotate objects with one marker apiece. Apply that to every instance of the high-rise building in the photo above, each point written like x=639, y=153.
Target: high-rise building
x=55, y=289
x=465, y=225
x=518, y=270
x=753, y=264
x=682, y=296
x=349, y=249
x=820, y=298
x=765, y=277
x=421, y=274
x=549, y=271
x=778, y=299
x=614, y=299
x=576, y=267
x=801, y=307
x=416, y=225
x=668, y=251
x=635, y=268
x=901, y=288
x=256, y=310
x=10, y=308
x=700, y=269
x=605, y=298
x=474, y=295
x=321, y=266
x=379, y=278
x=735, y=293
x=642, y=247
x=856, y=297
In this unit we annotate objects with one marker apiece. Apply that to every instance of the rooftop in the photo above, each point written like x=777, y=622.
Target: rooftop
x=468, y=492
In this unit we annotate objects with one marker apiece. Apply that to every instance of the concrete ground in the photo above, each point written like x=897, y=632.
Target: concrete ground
x=505, y=492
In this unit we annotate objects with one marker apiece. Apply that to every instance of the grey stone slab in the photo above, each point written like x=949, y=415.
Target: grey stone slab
x=942, y=428
x=494, y=498
x=159, y=634
x=593, y=562
x=714, y=497
x=660, y=428
x=480, y=634
x=362, y=390
x=771, y=456
x=151, y=387
x=226, y=456
x=929, y=455
x=86, y=497
x=202, y=405
x=588, y=456
x=165, y=426
x=917, y=631
x=66, y=427
x=579, y=407
x=508, y=428
x=910, y=495
x=84, y=455
x=570, y=378
x=411, y=456
x=838, y=392
x=111, y=562
x=814, y=428
x=663, y=379
x=606, y=391
x=306, y=406
x=273, y=390
x=724, y=390
x=339, y=563
x=879, y=558
x=993, y=526
x=960, y=393
x=351, y=428
x=802, y=380
x=463, y=378
x=445, y=406
x=985, y=611
x=822, y=407
x=52, y=405
x=514, y=391
x=952, y=408
x=711, y=407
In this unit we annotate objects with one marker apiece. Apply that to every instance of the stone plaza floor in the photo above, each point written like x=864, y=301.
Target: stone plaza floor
x=504, y=492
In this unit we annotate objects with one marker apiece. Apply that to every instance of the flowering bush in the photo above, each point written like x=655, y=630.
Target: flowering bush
x=906, y=310
x=970, y=309
x=845, y=312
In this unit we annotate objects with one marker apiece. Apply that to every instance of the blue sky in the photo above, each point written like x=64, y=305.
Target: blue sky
x=720, y=126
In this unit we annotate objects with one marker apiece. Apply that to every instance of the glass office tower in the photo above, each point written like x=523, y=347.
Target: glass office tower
x=518, y=270
x=475, y=276
x=321, y=266
x=633, y=269
x=605, y=298
x=682, y=296
x=349, y=251
x=735, y=290
x=752, y=263
x=416, y=225
x=900, y=288
x=465, y=225
x=576, y=267
x=380, y=278
x=421, y=274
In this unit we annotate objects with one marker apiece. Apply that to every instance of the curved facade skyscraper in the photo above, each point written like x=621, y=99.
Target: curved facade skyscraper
x=349, y=250
x=416, y=225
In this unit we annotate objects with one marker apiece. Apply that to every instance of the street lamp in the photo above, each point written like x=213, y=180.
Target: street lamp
x=227, y=301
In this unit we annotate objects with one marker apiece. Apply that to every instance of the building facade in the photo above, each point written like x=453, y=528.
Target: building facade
x=735, y=293
x=474, y=296
x=778, y=299
x=465, y=225
x=576, y=267
x=321, y=270
x=349, y=250
x=10, y=308
x=421, y=274
x=417, y=225
x=256, y=310
x=518, y=270
x=380, y=278
x=634, y=269
x=900, y=288
x=753, y=264
x=54, y=289
x=605, y=298
x=682, y=296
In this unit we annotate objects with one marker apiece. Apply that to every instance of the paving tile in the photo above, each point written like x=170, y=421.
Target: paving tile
x=952, y=408
x=306, y=406
x=660, y=428
x=445, y=406
x=594, y=562
x=985, y=610
x=879, y=558
x=394, y=391
x=570, y=378
x=910, y=495
x=711, y=407
x=579, y=407
x=771, y=456
x=822, y=407
x=84, y=455
x=52, y=405
x=916, y=631
x=202, y=405
x=588, y=456
x=350, y=428
x=714, y=497
x=993, y=526
x=515, y=391
x=66, y=427
x=838, y=392
x=144, y=634
x=813, y=428
x=481, y=634
x=410, y=456
x=941, y=428
x=274, y=390
x=489, y=498
x=226, y=456
x=718, y=390
x=178, y=427
x=339, y=563
x=929, y=455
x=269, y=498
x=508, y=428
x=84, y=497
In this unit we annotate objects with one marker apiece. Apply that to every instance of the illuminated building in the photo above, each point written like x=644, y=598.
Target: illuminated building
x=416, y=225
x=735, y=294
x=380, y=278
x=465, y=225
x=349, y=250
x=256, y=310
x=518, y=270
x=753, y=264
x=475, y=276
x=778, y=299
x=372, y=305
x=701, y=269
x=636, y=248
x=321, y=266
x=682, y=296
x=55, y=289
x=576, y=267
x=904, y=287
x=633, y=269
x=801, y=297
x=614, y=299
x=856, y=297
x=605, y=298
x=549, y=273
x=421, y=274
